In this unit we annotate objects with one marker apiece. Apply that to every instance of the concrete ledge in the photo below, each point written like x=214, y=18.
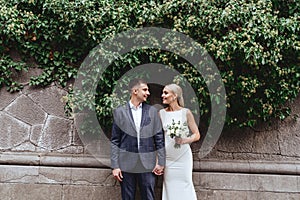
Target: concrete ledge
x=88, y=161
x=241, y=195
x=247, y=182
x=72, y=183
x=53, y=159
x=248, y=166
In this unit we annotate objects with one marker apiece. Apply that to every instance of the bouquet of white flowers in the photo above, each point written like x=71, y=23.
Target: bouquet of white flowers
x=177, y=130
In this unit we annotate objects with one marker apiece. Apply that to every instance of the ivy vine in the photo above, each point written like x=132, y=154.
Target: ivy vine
x=255, y=45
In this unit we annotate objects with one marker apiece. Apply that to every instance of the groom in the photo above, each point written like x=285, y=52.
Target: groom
x=137, y=144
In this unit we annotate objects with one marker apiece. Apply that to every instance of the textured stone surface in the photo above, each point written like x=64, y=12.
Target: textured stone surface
x=236, y=141
x=30, y=191
x=26, y=110
x=12, y=131
x=63, y=183
x=19, y=158
x=71, y=149
x=247, y=182
x=6, y=98
x=26, y=146
x=36, y=132
x=74, y=192
x=206, y=165
x=93, y=176
x=289, y=139
x=50, y=100
x=42, y=113
x=295, y=106
x=19, y=174
x=56, y=134
x=266, y=143
x=58, y=175
x=24, y=76
x=241, y=195
x=42, y=110
x=42, y=153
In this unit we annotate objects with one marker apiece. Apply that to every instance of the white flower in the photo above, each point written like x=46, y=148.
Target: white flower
x=177, y=130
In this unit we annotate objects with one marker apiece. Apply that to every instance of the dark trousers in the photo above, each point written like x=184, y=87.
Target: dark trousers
x=145, y=181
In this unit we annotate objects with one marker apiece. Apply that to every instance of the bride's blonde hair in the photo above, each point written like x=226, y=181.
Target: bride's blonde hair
x=177, y=90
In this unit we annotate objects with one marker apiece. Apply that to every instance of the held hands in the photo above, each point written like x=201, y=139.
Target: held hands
x=158, y=170
x=117, y=173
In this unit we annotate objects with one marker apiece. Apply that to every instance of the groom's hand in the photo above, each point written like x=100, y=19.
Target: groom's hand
x=117, y=173
x=158, y=170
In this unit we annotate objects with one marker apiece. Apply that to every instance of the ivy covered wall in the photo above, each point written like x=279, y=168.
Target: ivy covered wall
x=255, y=45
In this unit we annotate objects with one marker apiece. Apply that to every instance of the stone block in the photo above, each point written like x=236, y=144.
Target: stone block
x=26, y=146
x=74, y=183
x=19, y=174
x=264, y=143
x=214, y=154
x=275, y=183
x=24, y=109
x=20, y=158
x=31, y=191
x=36, y=132
x=75, y=192
x=76, y=140
x=24, y=76
x=243, y=195
x=86, y=160
x=72, y=150
x=6, y=97
x=56, y=134
x=236, y=141
x=13, y=132
x=248, y=182
x=289, y=139
x=55, y=160
x=55, y=175
x=50, y=100
x=81, y=176
x=295, y=106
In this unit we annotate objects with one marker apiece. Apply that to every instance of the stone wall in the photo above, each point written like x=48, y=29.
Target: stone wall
x=42, y=156
x=34, y=121
x=277, y=141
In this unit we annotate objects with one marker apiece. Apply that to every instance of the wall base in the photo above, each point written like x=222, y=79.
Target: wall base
x=77, y=183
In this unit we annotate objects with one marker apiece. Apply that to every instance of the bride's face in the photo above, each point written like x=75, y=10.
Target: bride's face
x=167, y=96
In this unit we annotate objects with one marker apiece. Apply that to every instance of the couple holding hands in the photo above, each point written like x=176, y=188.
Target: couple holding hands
x=146, y=143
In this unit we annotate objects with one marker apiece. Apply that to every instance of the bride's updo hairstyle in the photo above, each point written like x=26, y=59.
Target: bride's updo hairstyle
x=176, y=89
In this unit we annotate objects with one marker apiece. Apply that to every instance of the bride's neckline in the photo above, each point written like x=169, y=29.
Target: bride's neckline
x=170, y=111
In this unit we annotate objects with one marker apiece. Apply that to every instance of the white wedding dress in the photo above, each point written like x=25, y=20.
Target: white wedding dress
x=177, y=183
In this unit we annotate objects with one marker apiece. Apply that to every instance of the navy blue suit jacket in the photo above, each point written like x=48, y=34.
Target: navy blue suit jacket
x=124, y=146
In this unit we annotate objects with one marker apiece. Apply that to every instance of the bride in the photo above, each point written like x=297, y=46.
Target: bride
x=177, y=123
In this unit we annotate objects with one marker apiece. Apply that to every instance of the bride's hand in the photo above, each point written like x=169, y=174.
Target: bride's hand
x=181, y=140
x=187, y=140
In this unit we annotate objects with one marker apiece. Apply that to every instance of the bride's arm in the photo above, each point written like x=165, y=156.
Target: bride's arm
x=193, y=127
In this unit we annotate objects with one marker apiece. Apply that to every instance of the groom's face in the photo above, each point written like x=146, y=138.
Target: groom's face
x=142, y=92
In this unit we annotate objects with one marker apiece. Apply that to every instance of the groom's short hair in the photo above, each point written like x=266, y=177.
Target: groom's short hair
x=135, y=82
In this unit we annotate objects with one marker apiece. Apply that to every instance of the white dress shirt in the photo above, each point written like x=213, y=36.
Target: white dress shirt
x=137, y=118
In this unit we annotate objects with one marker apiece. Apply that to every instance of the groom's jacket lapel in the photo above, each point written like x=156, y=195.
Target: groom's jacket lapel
x=145, y=115
x=129, y=116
